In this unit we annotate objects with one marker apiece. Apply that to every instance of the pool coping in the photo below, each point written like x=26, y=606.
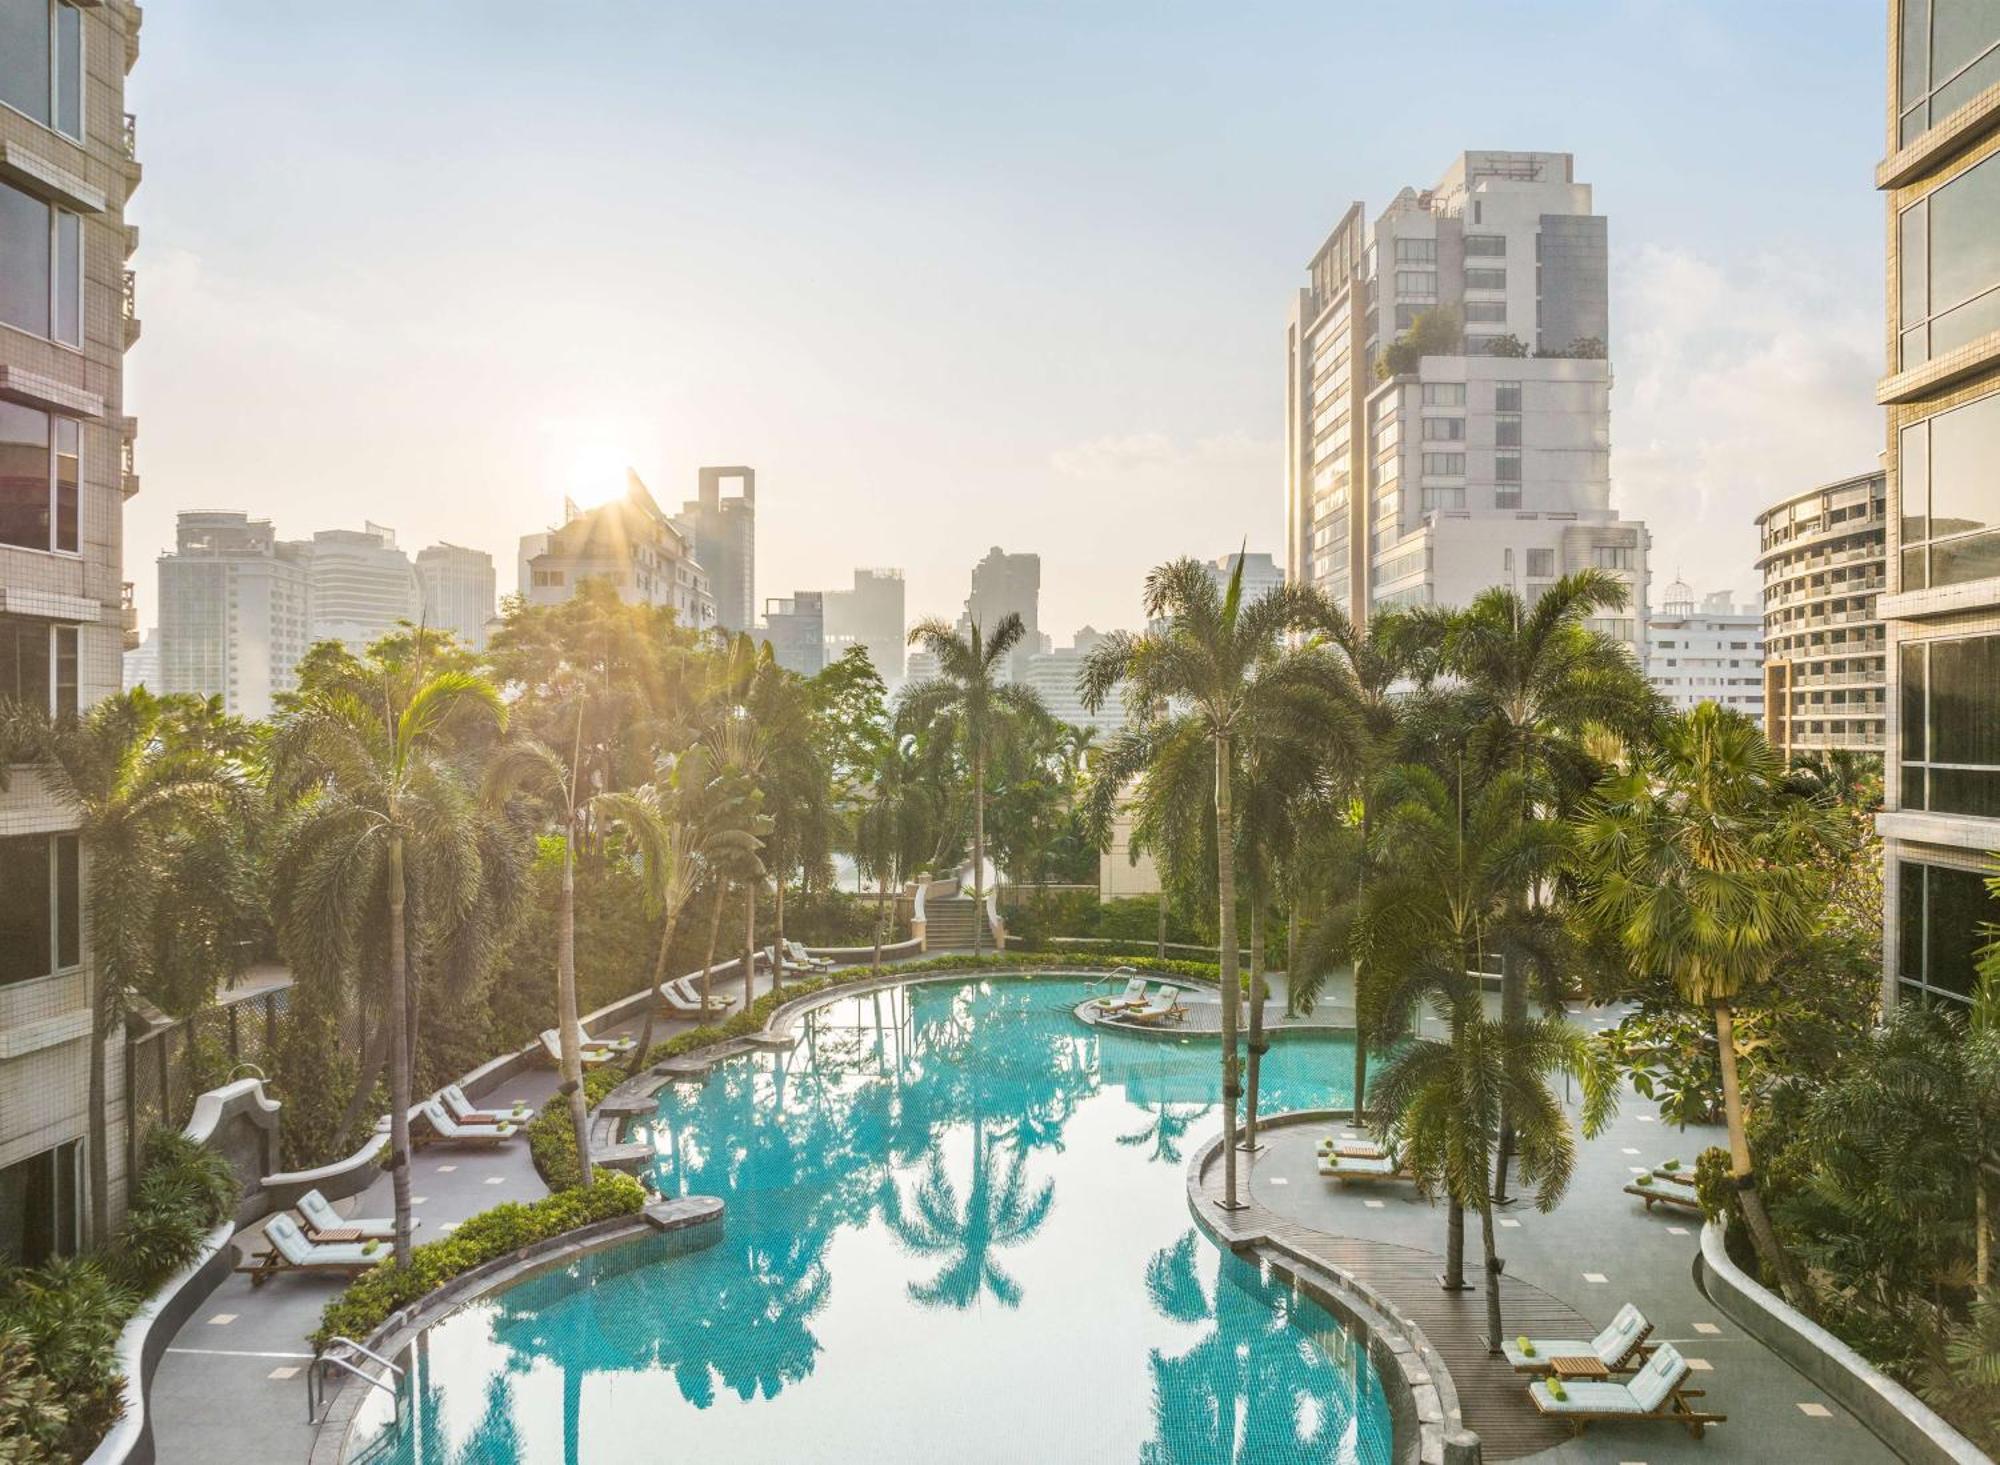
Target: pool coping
x=332, y=1435
x=1427, y=1424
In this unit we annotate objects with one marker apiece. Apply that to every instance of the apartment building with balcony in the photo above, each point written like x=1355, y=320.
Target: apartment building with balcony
x=1711, y=651
x=1822, y=554
x=1941, y=182
x=645, y=556
x=235, y=612
x=1448, y=379
x=67, y=314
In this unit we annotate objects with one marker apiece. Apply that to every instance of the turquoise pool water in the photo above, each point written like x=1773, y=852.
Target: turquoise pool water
x=956, y=1231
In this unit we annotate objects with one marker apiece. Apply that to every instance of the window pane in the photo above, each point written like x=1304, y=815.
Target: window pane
x=69, y=476
x=1916, y=348
x=24, y=245
x=69, y=71
x=1960, y=30
x=1913, y=259
x=1507, y=432
x=1955, y=561
x=1965, y=444
x=24, y=57
x=1911, y=740
x=1965, y=791
x=69, y=279
x=1967, y=322
x=24, y=476
x=24, y=908
x=1913, y=474
x=1507, y=396
x=1913, y=788
x=1959, y=905
x=1916, y=51
x=1910, y=921
x=65, y=671
x=1964, y=682
x=69, y=903
x=1967, y=84
x=1964, y=246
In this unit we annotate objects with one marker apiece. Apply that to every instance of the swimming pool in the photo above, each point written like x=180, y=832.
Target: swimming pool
x=957, y=1230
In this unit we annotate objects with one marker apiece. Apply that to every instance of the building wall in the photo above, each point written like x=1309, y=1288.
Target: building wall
x=457, y=587
x=1705, y=655
x=796, y=631
x=44, y=1022
x=1942, y=610
x=870, y=615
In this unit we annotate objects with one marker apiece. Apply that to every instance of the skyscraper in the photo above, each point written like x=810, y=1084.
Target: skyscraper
x=1008, y=584
x=361, y=585
x=235, y=611
x=457, y=586
x=632, y=544
x=1712, y=652
x=722, y=533
x=68, y=308
x=796, y=629
x=1448, y=381
x=1941, y=176
x=1261, y=574
x=870, y=616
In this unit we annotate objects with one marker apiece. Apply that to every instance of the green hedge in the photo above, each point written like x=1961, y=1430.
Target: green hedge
x=371, y=1297
x=68, y=1314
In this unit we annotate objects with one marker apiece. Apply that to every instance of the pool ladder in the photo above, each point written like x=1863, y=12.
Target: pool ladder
x=316, y=1377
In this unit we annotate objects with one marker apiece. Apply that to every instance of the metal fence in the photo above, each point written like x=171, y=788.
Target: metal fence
x=176, y=1059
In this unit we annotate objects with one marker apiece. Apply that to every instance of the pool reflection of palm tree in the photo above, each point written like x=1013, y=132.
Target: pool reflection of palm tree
x=1166, y=1125
x=1253, y=1387
x=998, y=1212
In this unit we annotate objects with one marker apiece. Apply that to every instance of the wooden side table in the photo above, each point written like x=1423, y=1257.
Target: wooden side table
x=335, y=1235
x=1579, y=1367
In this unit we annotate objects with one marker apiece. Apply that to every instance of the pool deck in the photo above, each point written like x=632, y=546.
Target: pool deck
x=1572, y=1268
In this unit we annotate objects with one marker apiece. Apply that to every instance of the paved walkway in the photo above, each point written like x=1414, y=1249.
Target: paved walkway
x=230, y=1389
x=1599, y=1248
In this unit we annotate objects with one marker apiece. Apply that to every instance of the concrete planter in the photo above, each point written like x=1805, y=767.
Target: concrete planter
x=1897, y=1417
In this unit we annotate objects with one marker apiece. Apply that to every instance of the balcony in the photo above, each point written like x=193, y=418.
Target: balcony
x=128, y=617
x=128, y=152
x=129, y=308
x=128, y=457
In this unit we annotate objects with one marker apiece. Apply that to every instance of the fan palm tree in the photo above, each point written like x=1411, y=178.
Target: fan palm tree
x=969, y=705
x=1207, y=680
x=693, y=821
x=1697, y=864
x=142, y=776
x=379, y=810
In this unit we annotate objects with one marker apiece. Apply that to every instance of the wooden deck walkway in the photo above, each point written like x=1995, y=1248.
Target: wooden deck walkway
x=1493, y=1400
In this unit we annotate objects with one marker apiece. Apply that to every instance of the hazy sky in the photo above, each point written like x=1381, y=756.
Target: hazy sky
x=949, y=275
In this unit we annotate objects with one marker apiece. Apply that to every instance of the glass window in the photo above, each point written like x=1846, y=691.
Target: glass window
x=1541, y=564
x=1507, y=430
x=1950, y=53
x=1486, y=279
x=24, y=56
x=27, y=245
x=36, y=926
x=38, y=664
x=1507, y=467
x=67, y=306
x=1445, y=465
x=1417, y=284
x=40, y=472
x=1485, y=245
x=68, y=481
x=1911, y=738
x=1506, y=396
x=1946, y=472
x=40, y=1212
x=1416, y=251
x=1444, y=394
x=1485, y=312
x=1615, y=557
x=1444, y=429
x=1444, y=498
x=69, y=71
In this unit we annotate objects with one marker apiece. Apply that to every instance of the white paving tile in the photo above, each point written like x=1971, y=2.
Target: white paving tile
x=1275, y=1180
x=1636, y=1169
x=288, y=1371
x=1709, y=1328
x=446, y=1169
x=1699, y=1365
x=417, y=1200
x=1509, y=1221
x=1595, y=1277
x=1628, y=1150
x=222, y=1320
x=1677, y=1230
x=500, y=1179
x=1815, y=1411
x=1645, y=1119
x=1373, y=1205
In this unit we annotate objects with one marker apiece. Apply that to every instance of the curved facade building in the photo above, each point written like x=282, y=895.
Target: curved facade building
x=1822, y=554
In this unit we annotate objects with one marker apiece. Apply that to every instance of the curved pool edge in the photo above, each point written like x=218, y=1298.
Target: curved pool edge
x=1427, y=1423
x=637, y=1095
x=332, y=1436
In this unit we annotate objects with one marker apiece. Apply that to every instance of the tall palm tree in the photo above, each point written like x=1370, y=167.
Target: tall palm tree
x=1208, y=678
x=140, y=774
x=968, y=703
x=1697, y=862
x=690, y=823
x=380, y=809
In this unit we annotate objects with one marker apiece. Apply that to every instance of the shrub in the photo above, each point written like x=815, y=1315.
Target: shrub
x=32, y=1416
x=372, y=1297
x=71, y=1312
x=1713, y=1186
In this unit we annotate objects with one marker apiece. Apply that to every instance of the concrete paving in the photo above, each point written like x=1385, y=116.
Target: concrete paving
x=1599, y=1249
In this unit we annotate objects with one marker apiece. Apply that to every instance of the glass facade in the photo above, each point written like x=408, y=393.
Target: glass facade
x=41, y=63
x=1948, y=254
x=38, y=664
x=40, y=474
x=40, y=932
x=41, y=1210
x=41, y=268
x=1941, y=916
x=1946, y=467
x=1949, y=743
x=1950, y=53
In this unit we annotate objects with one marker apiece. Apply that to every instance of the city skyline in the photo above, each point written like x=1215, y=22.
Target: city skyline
x=1085, y=398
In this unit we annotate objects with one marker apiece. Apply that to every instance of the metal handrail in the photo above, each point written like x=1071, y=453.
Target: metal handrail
x=317, y=1370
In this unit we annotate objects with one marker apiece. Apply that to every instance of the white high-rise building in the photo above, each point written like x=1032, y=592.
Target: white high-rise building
x=361, y=585
x=1713, y=652
x=1261, y=574
x=1448, y=423
x=458, y=587
x=235, y=612
x=870, y=616
x=1051, y=676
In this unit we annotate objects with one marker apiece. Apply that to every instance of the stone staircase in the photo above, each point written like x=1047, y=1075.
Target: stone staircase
x=950, y=923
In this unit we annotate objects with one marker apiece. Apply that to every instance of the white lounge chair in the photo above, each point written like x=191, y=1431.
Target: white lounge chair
x=1615, y=1347
x=782, y=963
x=465, y=1112
x=1134, y=995
x=801, y=957
x=1351, y=1149
x=684, y=997
x=592, y=1050
x=1348, y=1168
x=1165, y=1006
x=290, y=1251
x=1656, y=1391
x=320, y=1217
x=452, y=1132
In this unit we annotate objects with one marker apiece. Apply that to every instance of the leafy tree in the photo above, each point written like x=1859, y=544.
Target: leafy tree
x=1697, y=863
x=969, y=706
x=1435, y=332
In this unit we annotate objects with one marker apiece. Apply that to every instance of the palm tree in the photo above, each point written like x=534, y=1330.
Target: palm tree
x=1209, y=678
x=968, y=704
x=1697, y=864
x=998, y=1211
x=692, y=822
x=376, y=794
x=140, y=774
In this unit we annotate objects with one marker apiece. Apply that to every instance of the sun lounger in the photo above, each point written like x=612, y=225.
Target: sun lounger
x=1134, y=995
x=1616, y=1347
x=801, y=957
x=1656, y=1391
x=1351, y=1149
x=1348, y=1168
x=320, y=1217
x=291, y=1252
x=463, y=1110
x=683, y=997
x=1165, y=1007
x=452, y=1132
x=594, y=1050
x=1665, y=1193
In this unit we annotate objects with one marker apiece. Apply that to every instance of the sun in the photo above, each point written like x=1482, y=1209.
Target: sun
x=593, y=473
